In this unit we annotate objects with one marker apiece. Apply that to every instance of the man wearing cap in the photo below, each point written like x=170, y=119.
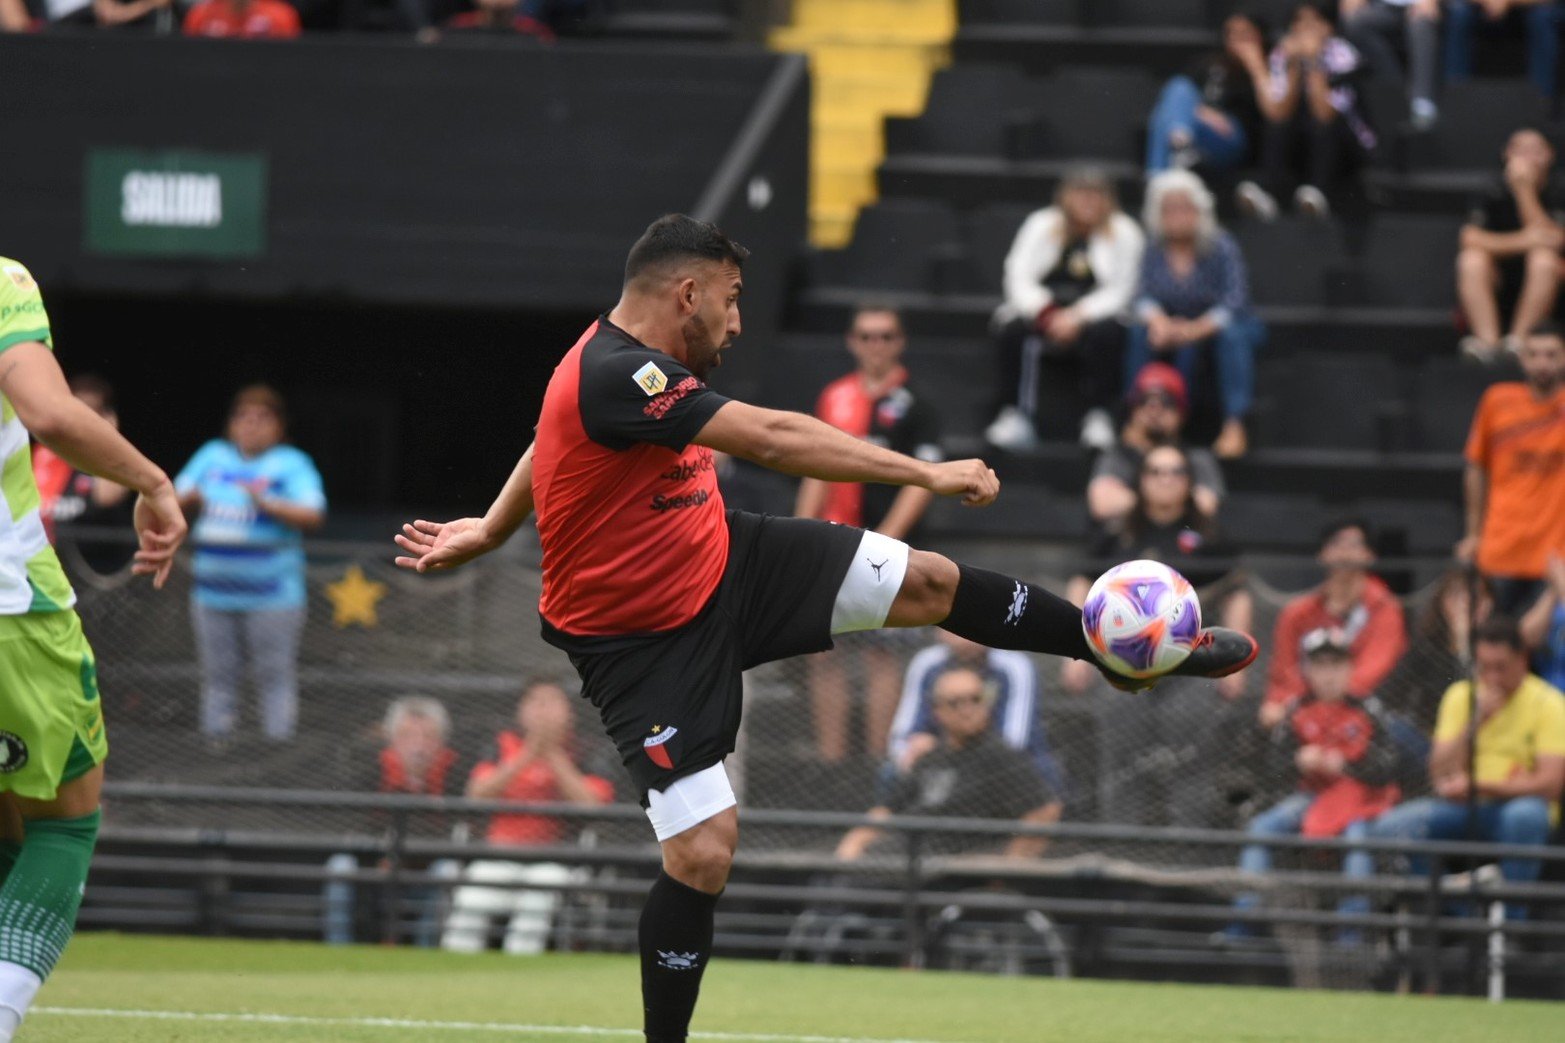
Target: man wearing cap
x=1518, y=757
x=1069, y=279
x=1156, y=406
x=1351, y=599
x=1341, y=761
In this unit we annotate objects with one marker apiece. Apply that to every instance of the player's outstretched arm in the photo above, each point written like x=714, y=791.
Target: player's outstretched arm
x=436, y=546
x=31, y=380
x=805, y=447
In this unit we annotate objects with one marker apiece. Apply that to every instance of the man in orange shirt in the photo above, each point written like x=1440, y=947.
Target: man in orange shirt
x=1515, y=478
x=245, y=19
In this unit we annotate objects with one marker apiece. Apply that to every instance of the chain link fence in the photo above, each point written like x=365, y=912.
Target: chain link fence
x=1181, y=755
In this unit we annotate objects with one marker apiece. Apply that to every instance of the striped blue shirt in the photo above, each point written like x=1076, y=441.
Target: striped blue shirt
x=245, y=559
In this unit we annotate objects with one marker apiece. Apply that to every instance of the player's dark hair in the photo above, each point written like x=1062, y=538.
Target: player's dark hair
x=676, y=237
x=1332, y=528
x=1500, y=630
x=92, y=384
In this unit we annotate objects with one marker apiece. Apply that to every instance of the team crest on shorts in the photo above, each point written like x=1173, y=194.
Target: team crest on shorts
x=13, y=753
x=656, y=746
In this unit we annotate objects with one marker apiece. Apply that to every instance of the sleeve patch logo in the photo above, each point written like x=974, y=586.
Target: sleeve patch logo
x=20, y=276
x=650, y=379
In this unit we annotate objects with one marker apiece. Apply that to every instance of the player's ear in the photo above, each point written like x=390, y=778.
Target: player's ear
x=688, y=293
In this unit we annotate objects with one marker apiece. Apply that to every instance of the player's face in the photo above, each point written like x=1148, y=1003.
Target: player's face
x=959, y=705
x=254, y=429
x=1543, y=361
x=1347, y=550
x=876, y=342
x=1328, y=676
x=1499, y=666
x=713, y=319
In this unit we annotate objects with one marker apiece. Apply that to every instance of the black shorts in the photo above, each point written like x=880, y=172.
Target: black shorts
x=671, y=701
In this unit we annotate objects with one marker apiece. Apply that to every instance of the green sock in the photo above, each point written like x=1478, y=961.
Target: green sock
x=10, y=850
x=44, y=889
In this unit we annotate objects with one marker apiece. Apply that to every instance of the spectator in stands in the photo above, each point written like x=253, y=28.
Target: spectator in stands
x=1351, y=599
x=1514, y=483
x=1519, y=757
x=1209, y=117
x=71, y=499
x=1013, y=714
x=414, y=761
x=1069, y=279
x=1374, y=26
x=1340, y=763
x=243, y=19
x=1316, y=132
x=877, y=403
x=14, y=17
x=1194, y=296
x=971, y=774
x=1541, y=17
x=1167, y=524
x=1156, y=405
x=1508, y=268
x=1440, y=649
x=536, y=762
x=110, y=14
x=1543, y=627
x=531, y=17
x=256, y=496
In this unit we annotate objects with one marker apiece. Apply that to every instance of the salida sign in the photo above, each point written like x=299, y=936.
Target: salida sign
x=175, y=203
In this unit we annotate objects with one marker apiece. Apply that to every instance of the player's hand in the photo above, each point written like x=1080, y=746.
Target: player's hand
x=973, y=480
x=160, y=529
x=437, y=546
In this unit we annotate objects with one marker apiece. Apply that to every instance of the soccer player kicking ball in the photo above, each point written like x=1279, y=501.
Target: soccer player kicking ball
x=662, y=598
x=52, y=742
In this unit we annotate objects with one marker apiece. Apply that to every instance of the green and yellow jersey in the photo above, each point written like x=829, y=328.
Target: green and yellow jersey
x=31, y=579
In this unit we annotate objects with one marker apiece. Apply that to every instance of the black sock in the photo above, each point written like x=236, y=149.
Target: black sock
x=1002, y=612
x=676, y=940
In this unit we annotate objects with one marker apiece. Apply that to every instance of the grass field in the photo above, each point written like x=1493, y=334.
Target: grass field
x=178, y=990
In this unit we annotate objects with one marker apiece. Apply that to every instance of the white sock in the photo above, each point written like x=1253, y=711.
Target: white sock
x=18, y=986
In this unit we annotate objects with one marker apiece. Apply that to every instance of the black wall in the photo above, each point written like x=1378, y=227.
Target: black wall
x=442, y=223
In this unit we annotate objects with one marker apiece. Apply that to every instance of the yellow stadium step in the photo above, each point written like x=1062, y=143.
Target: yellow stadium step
x=934, y=18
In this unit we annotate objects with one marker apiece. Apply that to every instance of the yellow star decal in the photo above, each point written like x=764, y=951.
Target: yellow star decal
x=353, y=599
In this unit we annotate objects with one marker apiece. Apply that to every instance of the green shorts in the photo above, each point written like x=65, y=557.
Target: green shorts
x=51, y=719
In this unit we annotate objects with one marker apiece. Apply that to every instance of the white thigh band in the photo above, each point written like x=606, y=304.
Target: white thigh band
x=871, y=585
x=689, y=801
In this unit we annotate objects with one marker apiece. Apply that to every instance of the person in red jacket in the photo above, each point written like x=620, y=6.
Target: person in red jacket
x=1352, y=599
x=1343, y=763
x=245, y=19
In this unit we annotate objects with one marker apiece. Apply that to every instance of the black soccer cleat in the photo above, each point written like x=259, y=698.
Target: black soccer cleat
x=1218, y=652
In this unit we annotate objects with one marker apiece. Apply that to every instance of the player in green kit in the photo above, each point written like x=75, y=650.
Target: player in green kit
x=52, y=741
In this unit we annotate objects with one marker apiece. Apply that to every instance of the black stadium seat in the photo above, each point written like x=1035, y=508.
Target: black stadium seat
x=1445, y=395
x=1096, y=112
x=1271, y=521
x=1290, y=259
x=1475, y=119
x=990, y=232
x=1409, y=261
x=1338, y=401
x=897, y=245
x=969, y=110
x=1414, y=526
x=1139, y=13
x=1021, y=12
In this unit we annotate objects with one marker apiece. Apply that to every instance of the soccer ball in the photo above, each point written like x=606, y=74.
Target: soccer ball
x=1141, y=619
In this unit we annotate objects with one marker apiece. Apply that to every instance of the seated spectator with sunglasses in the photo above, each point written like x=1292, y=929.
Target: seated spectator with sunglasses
x=971, y=774
x=1156, y=405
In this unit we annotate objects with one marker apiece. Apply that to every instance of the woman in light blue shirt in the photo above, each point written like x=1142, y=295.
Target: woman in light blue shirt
x=256, y=497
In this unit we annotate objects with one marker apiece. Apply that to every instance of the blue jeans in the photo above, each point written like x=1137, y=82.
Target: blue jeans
x=339, y=896
x=1176, y=110
x=1520, y=820
x=1464, y=18
x=1233, y=348
x=269, y=639
x=1286, y=819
